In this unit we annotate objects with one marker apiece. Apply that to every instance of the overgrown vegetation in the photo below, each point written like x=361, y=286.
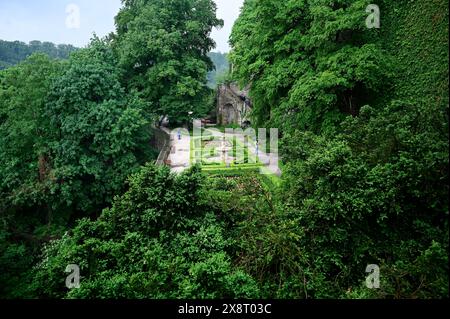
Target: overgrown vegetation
x=162, y=48
x=161, y=239
x=364, y=114
x=12, y=53
x=363, y=117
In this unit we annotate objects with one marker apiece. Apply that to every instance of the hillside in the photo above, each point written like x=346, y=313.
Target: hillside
x=11, y=53
x=221, y=65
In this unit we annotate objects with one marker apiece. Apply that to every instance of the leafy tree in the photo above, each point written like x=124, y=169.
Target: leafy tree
x=157, y=241
x=23, y=133
x=70, y=137
x=98, y=133
x=24, y=129
x=361, y=184
x=307, y=61
x=162, y=46
x=264, y=245
x=373, y=195
x=12, y=53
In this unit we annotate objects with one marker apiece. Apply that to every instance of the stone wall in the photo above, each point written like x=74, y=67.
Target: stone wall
x=233, y=105
x=161, y=141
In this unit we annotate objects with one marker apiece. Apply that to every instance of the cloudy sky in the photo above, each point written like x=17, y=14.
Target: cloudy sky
x=55, y=20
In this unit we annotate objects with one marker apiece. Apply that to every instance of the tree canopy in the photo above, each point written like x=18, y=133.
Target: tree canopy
x=363, y=121
x=163, y=48
x=12, y=53
x=309, y=63
x=159, y=240
x=364, y=136
x=100, y=131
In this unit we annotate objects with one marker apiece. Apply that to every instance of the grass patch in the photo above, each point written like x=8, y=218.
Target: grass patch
x=235, y=171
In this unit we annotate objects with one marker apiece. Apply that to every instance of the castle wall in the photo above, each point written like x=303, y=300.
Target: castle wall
x=232, y=105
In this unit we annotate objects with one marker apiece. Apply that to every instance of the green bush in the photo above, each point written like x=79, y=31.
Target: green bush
x=158, y=240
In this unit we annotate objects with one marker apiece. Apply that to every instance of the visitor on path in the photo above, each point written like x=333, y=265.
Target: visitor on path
x=179, y=134
x=257, y=147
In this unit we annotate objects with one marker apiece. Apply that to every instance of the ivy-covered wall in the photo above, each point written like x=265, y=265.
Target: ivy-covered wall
x=415, y=33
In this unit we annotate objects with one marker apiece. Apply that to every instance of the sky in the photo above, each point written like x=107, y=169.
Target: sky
x=74, y=21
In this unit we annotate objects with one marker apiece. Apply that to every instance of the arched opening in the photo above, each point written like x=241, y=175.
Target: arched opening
x=229, y=116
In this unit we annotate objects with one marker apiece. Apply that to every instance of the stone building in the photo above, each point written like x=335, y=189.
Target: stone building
x=233, y=105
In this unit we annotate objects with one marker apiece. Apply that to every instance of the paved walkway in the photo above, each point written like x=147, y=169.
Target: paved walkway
x=179, y=157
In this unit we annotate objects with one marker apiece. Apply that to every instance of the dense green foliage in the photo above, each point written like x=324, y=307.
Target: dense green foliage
x=162, y=47
x=309, y=63
x=373, y=195
x=99, y=130
x=12, y=53
x=363, y=117
x=70, y=136
x=159, y=240
x=67, y=128
x=23, y=126
x=23, y=91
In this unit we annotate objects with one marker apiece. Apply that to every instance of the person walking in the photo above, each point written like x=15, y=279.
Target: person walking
x=257, y=148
